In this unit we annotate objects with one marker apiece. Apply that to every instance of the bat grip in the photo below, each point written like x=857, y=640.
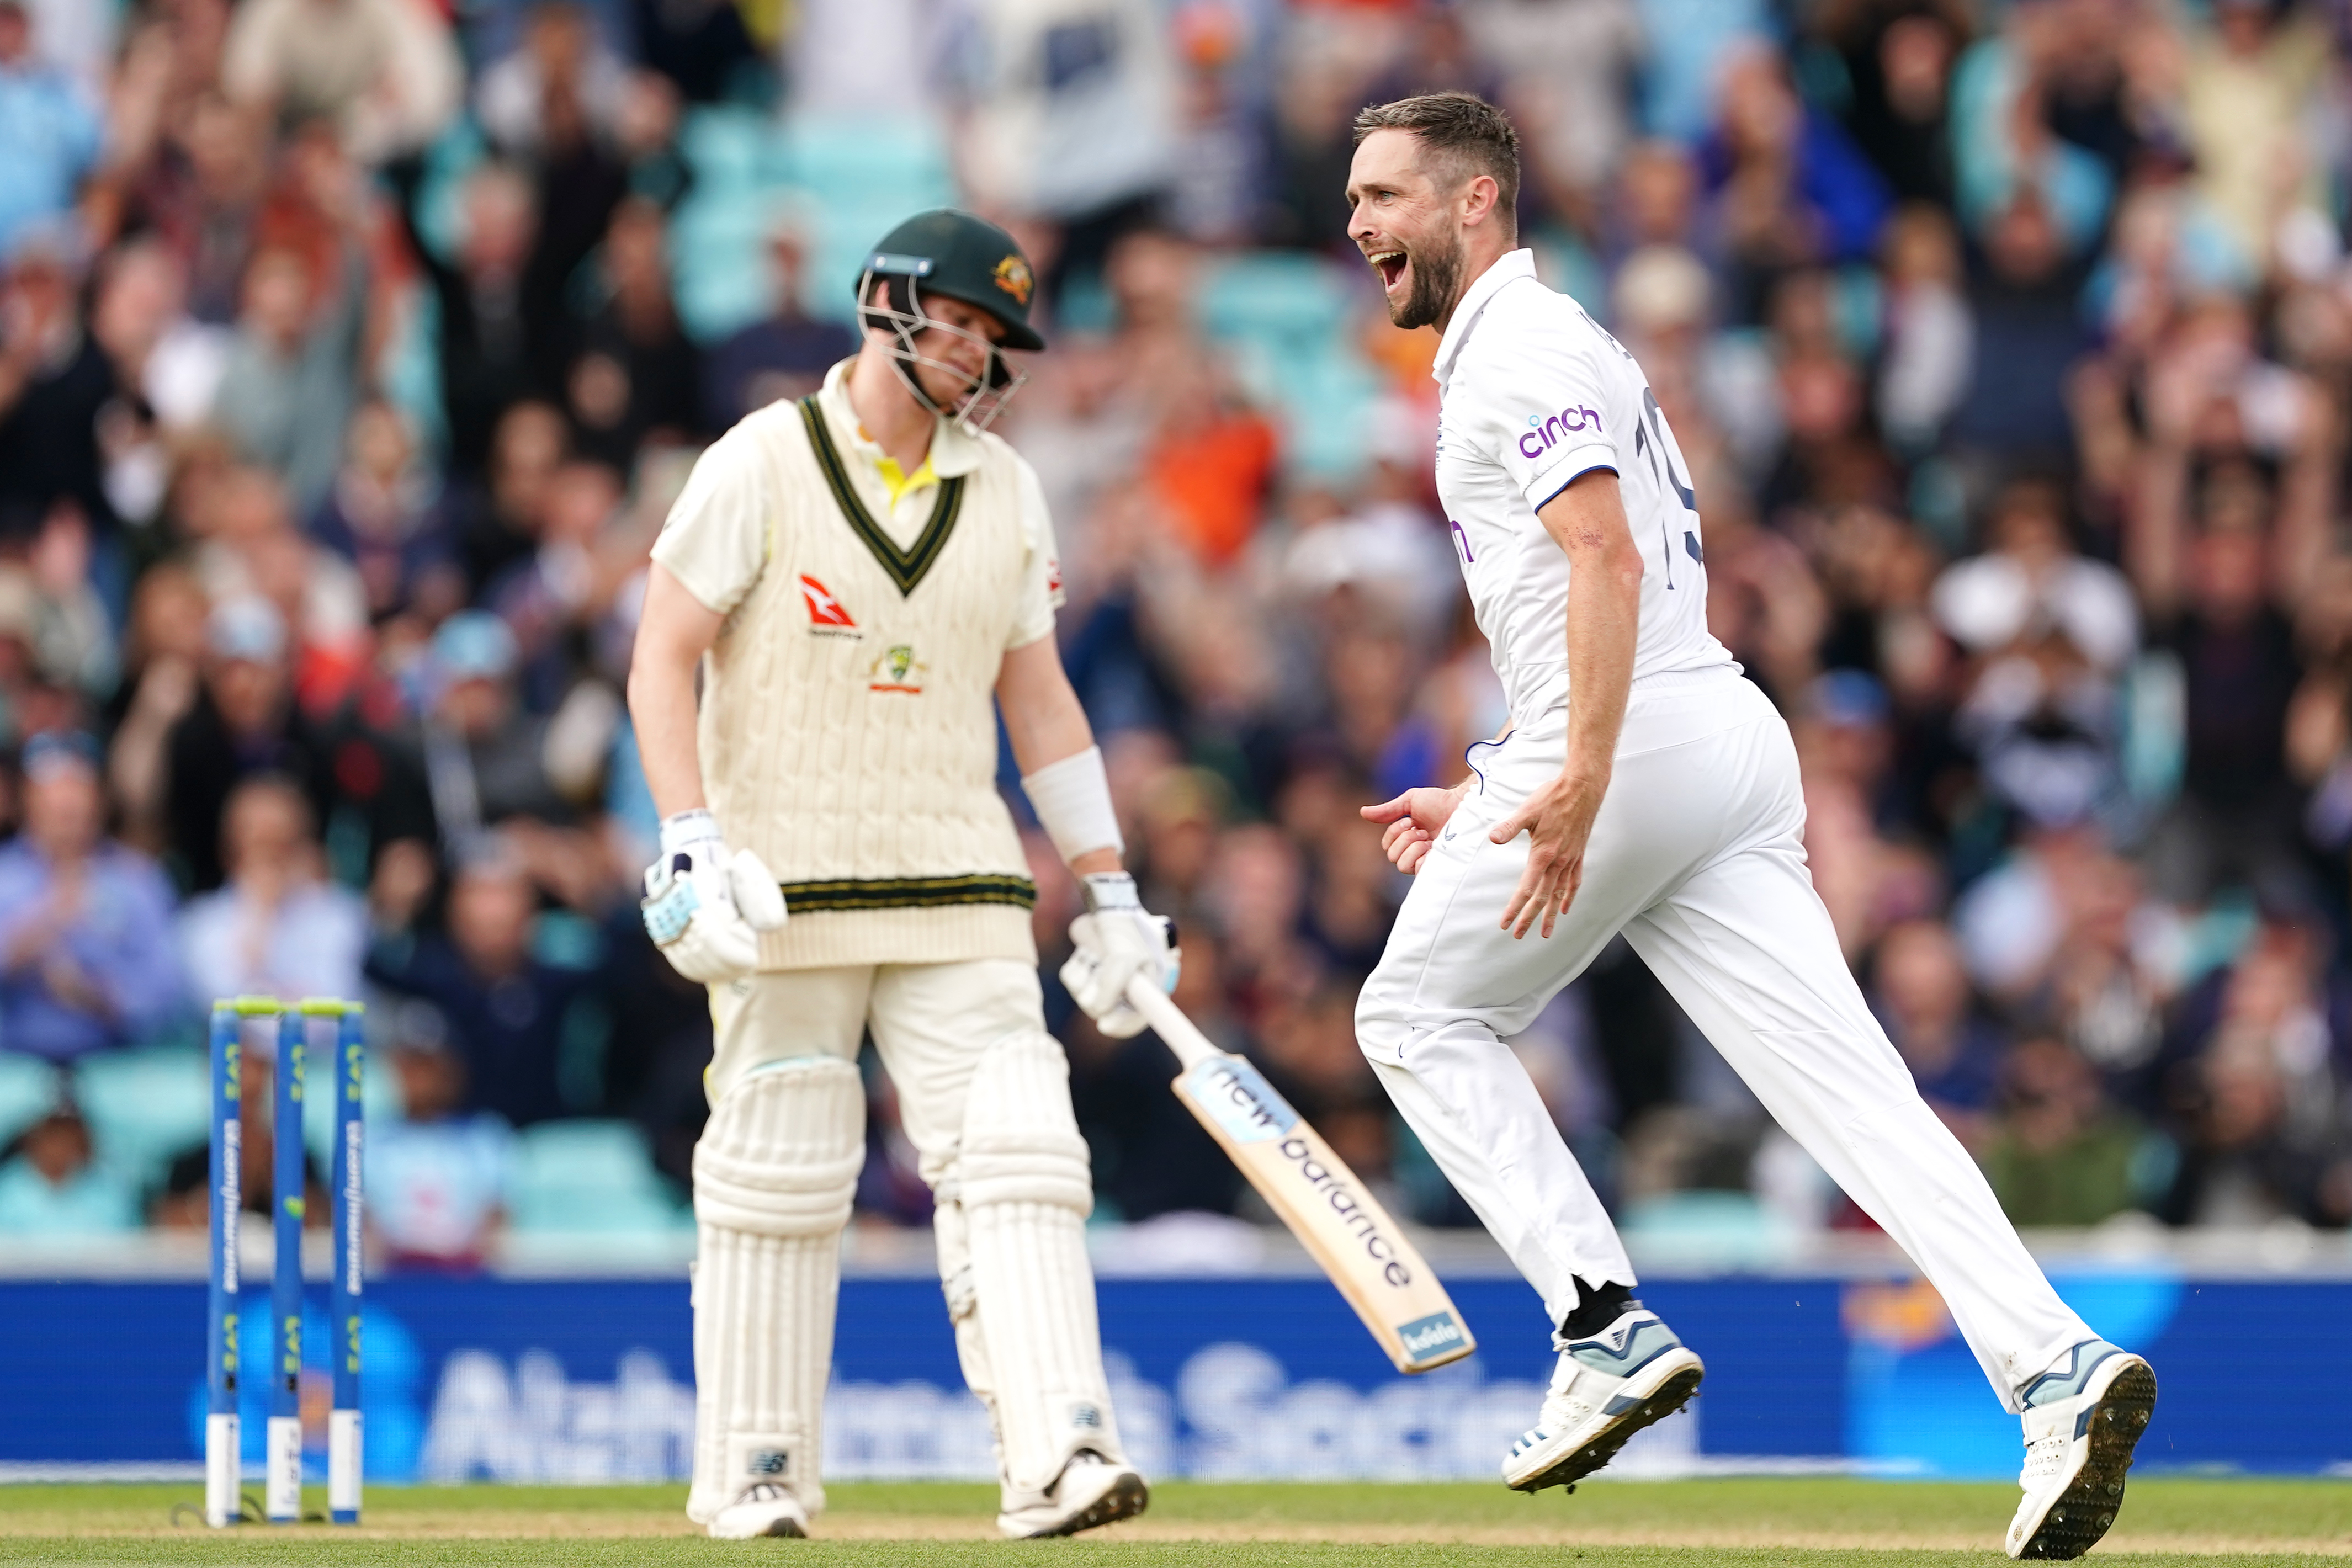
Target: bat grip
x=1168, y=1022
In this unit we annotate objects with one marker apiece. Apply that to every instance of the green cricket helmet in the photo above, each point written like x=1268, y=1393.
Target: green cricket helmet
x=962, y=257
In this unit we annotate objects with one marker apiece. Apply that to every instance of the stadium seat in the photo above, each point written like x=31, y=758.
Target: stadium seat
x=144, y=1106
x=1708, y=1229
x=847, y=179
x=29, y=1088
x=1284, y=319
x=1298, y=300
x=588, y=1179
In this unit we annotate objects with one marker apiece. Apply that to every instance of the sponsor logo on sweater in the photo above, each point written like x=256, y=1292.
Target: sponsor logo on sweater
x=827, y=618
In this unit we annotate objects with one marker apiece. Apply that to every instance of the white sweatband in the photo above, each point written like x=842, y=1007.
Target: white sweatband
x=1072, y=800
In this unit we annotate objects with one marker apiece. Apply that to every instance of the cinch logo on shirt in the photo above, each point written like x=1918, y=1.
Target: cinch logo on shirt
x=826, y=616
x=1544, y=433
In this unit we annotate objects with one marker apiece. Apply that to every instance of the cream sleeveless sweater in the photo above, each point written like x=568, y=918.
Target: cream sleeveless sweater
x=848, y=728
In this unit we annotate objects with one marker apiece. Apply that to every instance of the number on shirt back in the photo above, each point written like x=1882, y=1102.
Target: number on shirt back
x=1650, y=439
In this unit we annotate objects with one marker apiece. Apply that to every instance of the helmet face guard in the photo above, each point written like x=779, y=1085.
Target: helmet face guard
x=899, y=312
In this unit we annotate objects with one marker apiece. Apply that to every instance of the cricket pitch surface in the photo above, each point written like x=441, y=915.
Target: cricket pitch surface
x=1795, y=1522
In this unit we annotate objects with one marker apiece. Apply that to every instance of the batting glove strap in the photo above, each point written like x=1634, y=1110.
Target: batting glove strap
x=688, y=830
x=1105, y=891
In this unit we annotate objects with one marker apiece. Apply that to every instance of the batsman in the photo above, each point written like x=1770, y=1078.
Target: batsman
x=853, y=575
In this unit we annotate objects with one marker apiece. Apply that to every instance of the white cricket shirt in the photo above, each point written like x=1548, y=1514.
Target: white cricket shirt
x=1533, y=393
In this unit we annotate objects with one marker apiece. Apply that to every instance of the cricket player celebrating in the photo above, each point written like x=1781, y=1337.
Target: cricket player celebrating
x=855, y=575
x=1642, y=787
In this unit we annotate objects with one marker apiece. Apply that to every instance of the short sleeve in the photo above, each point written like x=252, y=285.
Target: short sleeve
x=715, y=540
x=1544, y=412
x=1041, y=581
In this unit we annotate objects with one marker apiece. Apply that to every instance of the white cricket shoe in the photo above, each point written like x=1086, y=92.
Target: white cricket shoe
x=2082, y=1423
x=763, y=1508
x=1604, y=1390
x=1091, y=1490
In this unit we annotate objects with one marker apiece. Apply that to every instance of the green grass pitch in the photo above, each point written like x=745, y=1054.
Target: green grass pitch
x=1798, y=1522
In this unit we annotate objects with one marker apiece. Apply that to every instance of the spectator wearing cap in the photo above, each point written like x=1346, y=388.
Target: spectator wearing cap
x=85, y=955
x=277, y=928
x=512, y=1018
x=484, y=757
x=52, y=131
x=1845, y=746
x=245, y=721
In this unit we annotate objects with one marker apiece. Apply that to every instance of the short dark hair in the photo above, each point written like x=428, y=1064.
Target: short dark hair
x=1461, y=131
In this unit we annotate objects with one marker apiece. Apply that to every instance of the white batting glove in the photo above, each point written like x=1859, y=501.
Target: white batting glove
x=704, y=908
x=1117, y=941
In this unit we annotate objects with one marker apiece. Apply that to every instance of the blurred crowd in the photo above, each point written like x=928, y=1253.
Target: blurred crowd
x=347, y=372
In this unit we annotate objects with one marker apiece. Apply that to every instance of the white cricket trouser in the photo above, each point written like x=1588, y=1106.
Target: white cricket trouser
x=1697, y=857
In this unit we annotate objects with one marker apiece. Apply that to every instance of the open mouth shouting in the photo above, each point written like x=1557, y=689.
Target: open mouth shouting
x=1390, y=265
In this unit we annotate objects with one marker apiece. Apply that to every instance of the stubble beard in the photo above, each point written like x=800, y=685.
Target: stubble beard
x=1436, y=281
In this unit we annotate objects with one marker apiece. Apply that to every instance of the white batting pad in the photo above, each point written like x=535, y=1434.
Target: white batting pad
x=1025, y=1188
x=773, y=1178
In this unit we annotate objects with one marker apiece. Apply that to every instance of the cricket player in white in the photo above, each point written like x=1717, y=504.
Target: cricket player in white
x=1643, y=787
x=855, y=577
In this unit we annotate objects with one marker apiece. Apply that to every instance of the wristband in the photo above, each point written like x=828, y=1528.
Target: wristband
x=684, y=829
x=1072, y=800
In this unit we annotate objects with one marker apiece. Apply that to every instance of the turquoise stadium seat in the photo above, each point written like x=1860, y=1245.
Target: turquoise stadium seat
x=1296, y=299
x=1285, y=318
x=144, y=1106
x=847, y=179
x=1681, y=1228
x=588, y=1179
x=28, y=1090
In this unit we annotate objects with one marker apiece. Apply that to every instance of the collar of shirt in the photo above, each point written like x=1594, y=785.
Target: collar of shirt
x=952, y=452
x=1507, y=268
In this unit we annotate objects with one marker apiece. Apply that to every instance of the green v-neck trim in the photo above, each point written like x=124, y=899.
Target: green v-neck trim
x=906, y=567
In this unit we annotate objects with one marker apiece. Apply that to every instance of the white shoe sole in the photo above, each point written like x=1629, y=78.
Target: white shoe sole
x=1124, y=1498
x=1649, y=1396
x=2068, y=1520
x=758, y=1523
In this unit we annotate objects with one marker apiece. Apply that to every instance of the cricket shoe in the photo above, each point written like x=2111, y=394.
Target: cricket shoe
x=1605, y=1389
x=2081, y=1422
x=1091, y=1490
x=763, y=1508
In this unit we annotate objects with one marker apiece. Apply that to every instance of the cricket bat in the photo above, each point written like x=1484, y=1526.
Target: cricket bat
x=1341, y=1224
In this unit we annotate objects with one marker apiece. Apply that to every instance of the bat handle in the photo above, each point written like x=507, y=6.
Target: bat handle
x=1168, y=1022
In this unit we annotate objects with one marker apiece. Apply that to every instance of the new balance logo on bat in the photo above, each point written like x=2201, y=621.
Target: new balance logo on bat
x=1333, y=1187
x=1231, y=1094
x=827, y=618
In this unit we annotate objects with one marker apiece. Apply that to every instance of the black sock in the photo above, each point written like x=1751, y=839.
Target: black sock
x=1597, y=1307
